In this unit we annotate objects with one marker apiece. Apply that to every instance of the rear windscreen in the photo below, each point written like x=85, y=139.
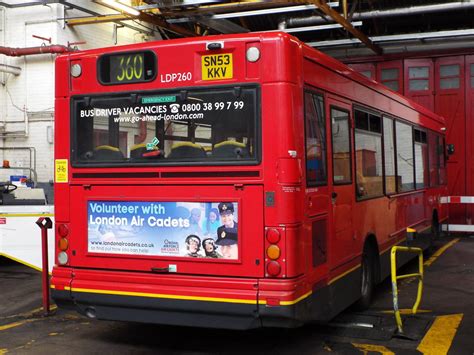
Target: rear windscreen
x=197, y=126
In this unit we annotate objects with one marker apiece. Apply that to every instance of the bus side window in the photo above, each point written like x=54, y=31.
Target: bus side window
x=389, y=156
x=341, y=146
x=421, y=159
x=315, y=127
x=405, y=161
x=368, y=146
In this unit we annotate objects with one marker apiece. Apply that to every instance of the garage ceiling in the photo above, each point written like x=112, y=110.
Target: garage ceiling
x=344, y=28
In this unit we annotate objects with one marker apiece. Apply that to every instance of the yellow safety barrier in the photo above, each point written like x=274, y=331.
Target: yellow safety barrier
x=395, y=278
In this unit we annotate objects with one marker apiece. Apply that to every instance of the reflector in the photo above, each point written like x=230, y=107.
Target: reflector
x=273, y=235
x=63, y=244
x=273, y=268
x=63, y=230
x=63, y=258
x=273, y=252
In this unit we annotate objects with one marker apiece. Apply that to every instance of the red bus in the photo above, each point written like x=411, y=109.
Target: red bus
x=235, y=181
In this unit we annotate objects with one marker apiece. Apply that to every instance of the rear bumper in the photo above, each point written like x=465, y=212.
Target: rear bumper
x=182, y=300
x=159, y=311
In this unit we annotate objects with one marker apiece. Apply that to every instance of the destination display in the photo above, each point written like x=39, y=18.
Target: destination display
x=125, y=68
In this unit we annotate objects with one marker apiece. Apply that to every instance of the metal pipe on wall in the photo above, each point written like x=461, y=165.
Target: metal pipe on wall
x=30, y=3
x=10, y=69
x=19, y=52
x=412, y=10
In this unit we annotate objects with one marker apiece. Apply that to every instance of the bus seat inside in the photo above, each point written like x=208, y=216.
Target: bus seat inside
x=107, y=152
x=140, y=152
x=183, y=150
x=230, y=149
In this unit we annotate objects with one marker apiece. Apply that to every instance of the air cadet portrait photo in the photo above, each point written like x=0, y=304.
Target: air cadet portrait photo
x=227, y=238
x=210, y=248
x=193, y=244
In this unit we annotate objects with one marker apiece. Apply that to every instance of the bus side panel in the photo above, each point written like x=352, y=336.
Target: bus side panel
x=61, y=151
x=283, y=172
x=61, y=85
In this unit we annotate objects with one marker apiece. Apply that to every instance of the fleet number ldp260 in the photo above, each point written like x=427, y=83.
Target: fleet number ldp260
x=217, y=66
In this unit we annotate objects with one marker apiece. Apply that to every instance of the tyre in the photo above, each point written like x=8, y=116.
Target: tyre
x=435, y=233
x=435, y=227
x=367, y=287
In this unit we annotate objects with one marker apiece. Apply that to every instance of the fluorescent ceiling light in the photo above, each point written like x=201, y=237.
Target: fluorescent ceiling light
x=400, y=37
x=318, y=28
x=273, y=10
x=122, y=7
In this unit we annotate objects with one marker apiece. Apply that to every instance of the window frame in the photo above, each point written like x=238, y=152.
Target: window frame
x=373, y=112
x=471, y=75
x=418, y=79
x=426, y=167
x=395, y=80
x=313, y=93
x=257, y=126
x=438, y=135
x=447, y=77
x=338, y=108
x=394, y=137
x=408, y=123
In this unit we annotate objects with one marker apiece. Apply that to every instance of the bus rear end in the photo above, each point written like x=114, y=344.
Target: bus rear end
x=165, y=201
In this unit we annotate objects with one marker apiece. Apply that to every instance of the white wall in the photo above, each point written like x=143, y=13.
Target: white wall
x=30, y=96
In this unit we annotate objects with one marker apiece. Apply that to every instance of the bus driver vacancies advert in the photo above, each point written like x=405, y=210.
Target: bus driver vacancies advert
x=181, y=229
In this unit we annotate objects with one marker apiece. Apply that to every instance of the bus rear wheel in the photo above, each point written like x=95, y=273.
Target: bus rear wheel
x=435, y=233
x=367, y=287
x=435, y=227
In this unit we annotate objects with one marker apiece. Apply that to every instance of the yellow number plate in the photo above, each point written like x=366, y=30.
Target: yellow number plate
x=217, y=66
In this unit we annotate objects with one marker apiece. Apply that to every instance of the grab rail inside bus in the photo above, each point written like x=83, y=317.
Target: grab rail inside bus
x=395, y=278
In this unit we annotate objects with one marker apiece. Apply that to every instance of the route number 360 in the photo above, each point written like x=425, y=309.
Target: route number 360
x=130, y=67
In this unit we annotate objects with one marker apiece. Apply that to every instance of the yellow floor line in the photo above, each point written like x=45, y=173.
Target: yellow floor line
x=11, y=325
x=440, y=251
x=441, y=334
x=369, y=349
x=30, y=313
x=25, y=314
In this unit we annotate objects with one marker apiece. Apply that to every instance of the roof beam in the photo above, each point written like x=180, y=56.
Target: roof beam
x=96, y=19
x=154, y=20
x=324, y=7
x=231, y=9
x=143, y=17
x=157, y=21
x=71, y=5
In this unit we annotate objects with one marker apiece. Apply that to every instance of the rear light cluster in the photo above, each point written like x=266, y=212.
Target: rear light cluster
x=63, y=244
x=273, y=252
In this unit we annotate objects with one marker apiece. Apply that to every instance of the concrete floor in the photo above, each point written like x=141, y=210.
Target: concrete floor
x=447, y=321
